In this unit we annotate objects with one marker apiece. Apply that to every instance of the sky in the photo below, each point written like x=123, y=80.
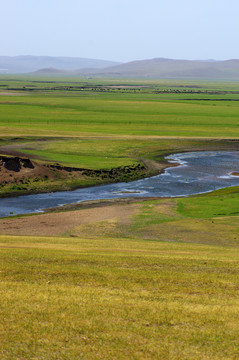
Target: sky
x=121, y=30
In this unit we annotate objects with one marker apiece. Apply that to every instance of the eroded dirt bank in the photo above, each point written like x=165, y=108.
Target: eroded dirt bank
x=19, y=170
x=20, y=175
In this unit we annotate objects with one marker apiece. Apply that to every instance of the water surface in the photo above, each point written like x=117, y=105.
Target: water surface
x=198, y=172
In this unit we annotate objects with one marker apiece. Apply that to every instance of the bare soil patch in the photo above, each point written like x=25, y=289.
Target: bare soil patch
x=66, y=223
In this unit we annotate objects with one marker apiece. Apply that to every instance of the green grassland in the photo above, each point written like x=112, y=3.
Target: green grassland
x=163, y=286
x=153, y=111
x=98, y=124
x=118, y=114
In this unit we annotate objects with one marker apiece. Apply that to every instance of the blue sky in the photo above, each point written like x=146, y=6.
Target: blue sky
x=121, y=30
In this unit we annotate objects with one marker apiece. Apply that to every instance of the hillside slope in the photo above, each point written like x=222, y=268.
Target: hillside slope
x=168, y=68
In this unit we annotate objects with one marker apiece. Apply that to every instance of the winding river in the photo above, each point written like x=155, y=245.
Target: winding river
x=198, y=172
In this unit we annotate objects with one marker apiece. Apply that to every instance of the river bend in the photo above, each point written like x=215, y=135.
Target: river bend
x=198, y=172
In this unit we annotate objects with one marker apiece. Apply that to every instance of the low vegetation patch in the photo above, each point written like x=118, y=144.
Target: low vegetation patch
x=219, y=203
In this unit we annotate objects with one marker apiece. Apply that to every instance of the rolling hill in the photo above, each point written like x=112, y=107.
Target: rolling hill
x=174, y=69
x=158, y=68
x=26, y=64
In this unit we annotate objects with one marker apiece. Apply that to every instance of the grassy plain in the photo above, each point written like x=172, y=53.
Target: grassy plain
x=163, y=284
x=120, y=114
x=103, y=124
x=112, y=118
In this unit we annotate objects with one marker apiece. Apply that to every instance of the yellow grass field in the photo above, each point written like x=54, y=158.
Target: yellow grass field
x=73, y=298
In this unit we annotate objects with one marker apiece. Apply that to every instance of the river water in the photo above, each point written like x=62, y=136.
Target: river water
x=198, y=172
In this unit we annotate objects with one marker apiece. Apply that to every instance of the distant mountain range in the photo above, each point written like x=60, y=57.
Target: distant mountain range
x=26, y=64
x=162, y=68
x=158, y=68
